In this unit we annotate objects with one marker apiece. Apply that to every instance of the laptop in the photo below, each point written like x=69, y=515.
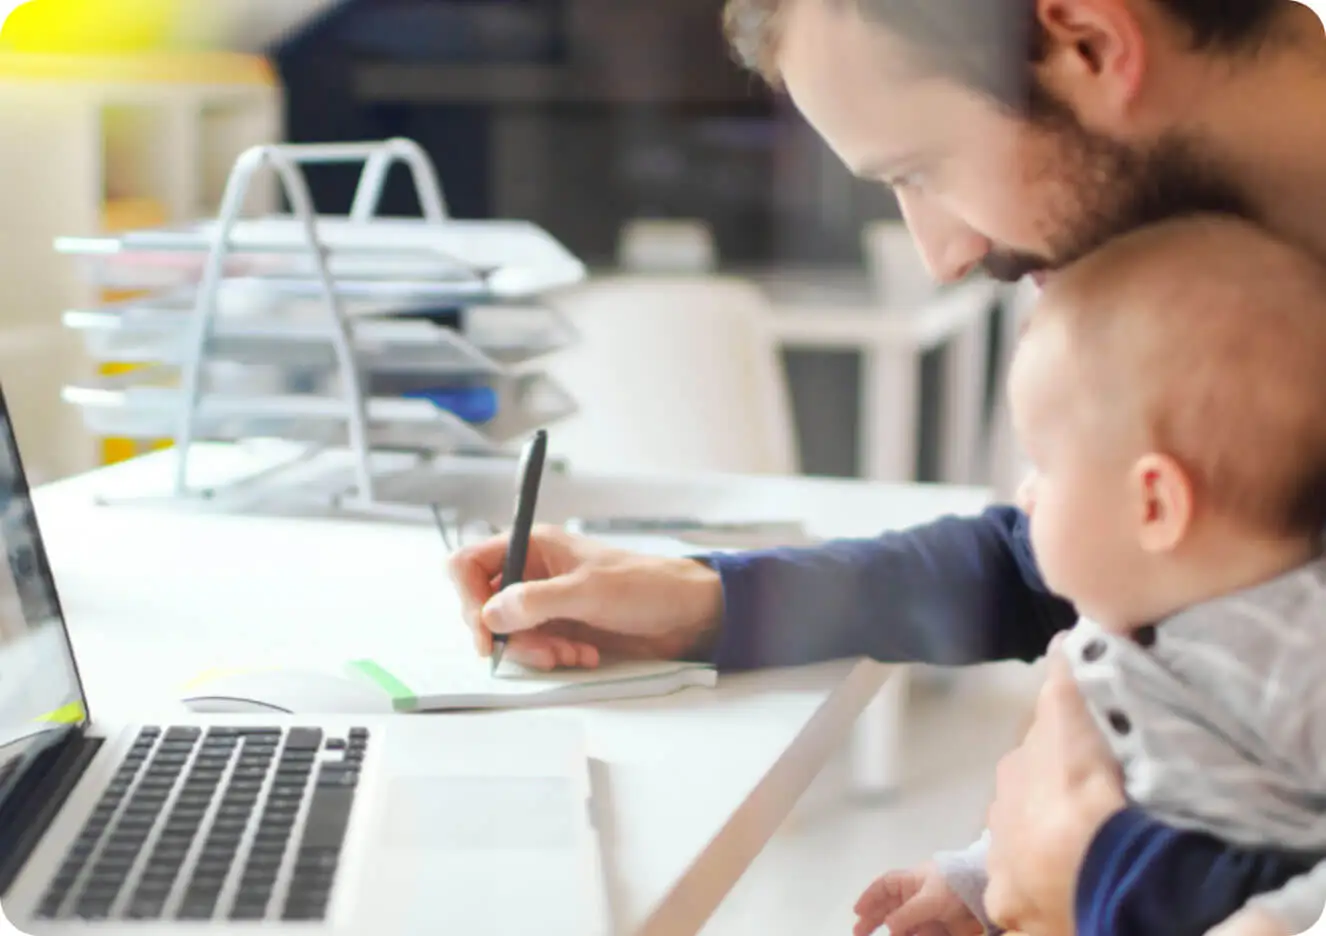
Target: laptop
x=466, y=824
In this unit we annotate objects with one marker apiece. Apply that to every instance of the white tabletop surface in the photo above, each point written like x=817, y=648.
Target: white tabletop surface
x=695, y=783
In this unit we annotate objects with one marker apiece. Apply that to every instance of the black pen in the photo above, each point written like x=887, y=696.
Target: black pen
x=517, y=550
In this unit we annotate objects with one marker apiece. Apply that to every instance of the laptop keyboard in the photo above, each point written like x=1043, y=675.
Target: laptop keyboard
x=244, y=824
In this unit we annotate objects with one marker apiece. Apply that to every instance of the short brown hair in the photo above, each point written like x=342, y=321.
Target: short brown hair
x=1213, y=332
x=987, y=44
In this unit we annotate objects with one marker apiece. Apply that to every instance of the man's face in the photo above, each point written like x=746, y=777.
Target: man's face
x=977, y=184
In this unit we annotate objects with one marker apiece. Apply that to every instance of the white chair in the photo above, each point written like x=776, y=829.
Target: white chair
x=666, y=245
x=673, y=374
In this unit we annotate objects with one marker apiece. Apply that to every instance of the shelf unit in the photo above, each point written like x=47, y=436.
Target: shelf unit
x=110, y=143
x=331, y=331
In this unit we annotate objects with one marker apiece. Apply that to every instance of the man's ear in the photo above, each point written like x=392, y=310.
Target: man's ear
x=1163, y=494
x=1093, y=57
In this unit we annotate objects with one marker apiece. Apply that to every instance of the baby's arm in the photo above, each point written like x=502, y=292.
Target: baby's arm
x=964, y=872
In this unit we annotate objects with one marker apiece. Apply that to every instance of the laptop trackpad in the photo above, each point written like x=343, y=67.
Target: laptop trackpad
x=483, y=813
x=486, y=856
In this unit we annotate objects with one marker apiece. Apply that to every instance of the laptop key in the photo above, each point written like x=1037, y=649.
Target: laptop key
x=198, y=908
x=304, y=739
x=337, y=775
x=90, y=910
x=146, y=908
x=249, y=911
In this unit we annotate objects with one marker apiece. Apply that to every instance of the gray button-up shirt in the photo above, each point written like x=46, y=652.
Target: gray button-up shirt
x=1218, y=719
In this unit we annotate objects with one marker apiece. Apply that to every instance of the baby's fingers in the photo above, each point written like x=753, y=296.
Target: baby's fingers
x=880, y=899
x=884, y=891
x=866, y=925
x=913, y=916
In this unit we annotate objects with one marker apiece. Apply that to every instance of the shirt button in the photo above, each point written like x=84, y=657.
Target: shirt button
x=1145, y=636
x=1094, y=650
x=1119, y=722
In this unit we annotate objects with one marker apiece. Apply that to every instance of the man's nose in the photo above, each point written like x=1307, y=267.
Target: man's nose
x=949, y=248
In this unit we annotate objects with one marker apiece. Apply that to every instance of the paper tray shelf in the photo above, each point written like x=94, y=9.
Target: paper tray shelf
x=328, y=330
x=462, y=259
x=122, y=406
x=157, y=330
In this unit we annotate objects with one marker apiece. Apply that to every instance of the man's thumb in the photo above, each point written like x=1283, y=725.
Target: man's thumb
x=526, y=605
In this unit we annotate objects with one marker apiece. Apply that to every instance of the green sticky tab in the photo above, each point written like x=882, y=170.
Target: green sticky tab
x=398, y=691
x=70, y=714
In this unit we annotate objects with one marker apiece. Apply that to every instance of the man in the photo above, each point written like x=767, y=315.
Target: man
x=1018, y=136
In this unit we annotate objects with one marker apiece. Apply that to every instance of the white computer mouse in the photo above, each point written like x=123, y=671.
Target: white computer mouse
x=286, y=691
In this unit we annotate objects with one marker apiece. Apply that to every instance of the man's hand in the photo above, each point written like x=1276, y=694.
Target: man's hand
x=580, y=598
x=916, y=902
x=1052, y=794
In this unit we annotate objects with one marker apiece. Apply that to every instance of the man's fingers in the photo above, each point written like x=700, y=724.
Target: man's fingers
x=1000, y=906
x=549, y=651
x=472, y=574
x=486, y=557
x=527, y=605
x=1056, y=659
x=483, y=641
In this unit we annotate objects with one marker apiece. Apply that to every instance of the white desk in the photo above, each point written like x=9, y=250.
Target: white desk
x=153, y=594
x=827, y=312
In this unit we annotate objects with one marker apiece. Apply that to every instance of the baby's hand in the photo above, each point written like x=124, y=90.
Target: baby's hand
x=1252, y=922
x=914, y=902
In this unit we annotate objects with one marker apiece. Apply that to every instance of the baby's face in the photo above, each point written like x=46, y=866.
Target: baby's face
x=1077, y=492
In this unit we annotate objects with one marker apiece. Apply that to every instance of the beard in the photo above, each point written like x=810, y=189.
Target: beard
x=1106, y=188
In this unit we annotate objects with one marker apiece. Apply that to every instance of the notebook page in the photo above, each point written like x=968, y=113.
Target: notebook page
x=469, y=679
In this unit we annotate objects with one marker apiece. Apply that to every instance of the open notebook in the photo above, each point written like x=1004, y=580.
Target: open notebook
x=453, y=683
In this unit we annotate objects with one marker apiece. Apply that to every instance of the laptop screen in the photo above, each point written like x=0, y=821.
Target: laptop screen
x=40, y=692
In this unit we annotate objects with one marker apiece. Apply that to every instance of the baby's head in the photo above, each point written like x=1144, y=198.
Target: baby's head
x=1170, y=393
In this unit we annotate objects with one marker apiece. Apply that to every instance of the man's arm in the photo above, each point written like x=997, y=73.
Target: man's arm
x=959, y=590
x=1141, y=877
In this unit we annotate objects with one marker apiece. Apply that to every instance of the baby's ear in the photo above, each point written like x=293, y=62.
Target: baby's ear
x=1163, y=496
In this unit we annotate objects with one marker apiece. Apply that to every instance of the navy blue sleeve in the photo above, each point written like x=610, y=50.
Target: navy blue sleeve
x=956, y=591
x=1141, y=877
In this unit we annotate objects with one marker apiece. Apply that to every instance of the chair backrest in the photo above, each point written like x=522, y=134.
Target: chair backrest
x=666, y=245
x=673, y=374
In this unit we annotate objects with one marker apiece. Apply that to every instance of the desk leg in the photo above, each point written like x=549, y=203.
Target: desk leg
x=890, y=414
x=964, y=401
x=876, y=754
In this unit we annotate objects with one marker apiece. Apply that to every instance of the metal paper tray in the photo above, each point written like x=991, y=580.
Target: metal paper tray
x=124, y=406
x=501, y=258
x=298, y=335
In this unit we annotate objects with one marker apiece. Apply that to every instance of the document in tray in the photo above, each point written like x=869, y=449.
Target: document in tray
x=455, y=683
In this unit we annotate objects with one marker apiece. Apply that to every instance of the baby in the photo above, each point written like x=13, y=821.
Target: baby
x=1170, y=392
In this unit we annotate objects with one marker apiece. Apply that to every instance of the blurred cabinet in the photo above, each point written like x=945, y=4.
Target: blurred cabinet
x=88, y=145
